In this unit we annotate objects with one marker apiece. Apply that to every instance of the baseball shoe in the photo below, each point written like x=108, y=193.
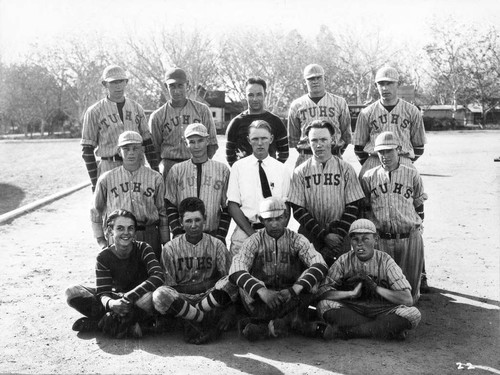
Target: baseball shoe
x=278, y=328
x=317, y=329
x=85, y=325
x=252, y=329
x=497, y=159
x=199, y=333
x=424, y=287
x=400, y=336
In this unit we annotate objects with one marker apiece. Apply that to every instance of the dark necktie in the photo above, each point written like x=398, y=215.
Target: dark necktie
x=266, y=191
x=198, y=178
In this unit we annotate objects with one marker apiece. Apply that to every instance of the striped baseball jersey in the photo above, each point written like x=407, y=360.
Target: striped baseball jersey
x=167, y=125
x=102, y=125
x=277, y=263
x=140, y=192
x=393, y=197
x=324, y=189
x=194, y=265
x=182, y=182
x=381, y=268
x=237, y=145
x=331, y=107
x=134, y=276
x=404, y=120
x=244, y=186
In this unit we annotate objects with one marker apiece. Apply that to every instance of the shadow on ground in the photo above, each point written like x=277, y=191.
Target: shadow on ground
x=455, y=329
x=11, y=197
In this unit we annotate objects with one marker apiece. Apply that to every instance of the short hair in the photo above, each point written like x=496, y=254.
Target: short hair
x=256, y=81
x=260, y=124
x=191, y=204
x=320, y=124
x=110, y=222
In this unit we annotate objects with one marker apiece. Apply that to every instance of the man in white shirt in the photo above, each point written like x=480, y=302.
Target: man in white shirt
x=248, y=186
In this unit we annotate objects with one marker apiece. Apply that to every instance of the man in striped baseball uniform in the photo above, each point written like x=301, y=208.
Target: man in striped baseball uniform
x=237, y=145
x=104, y=121
x=195, y=264
x=318, y=104
x=325, y=194
x=167, y=123
x=136, y=188
x=389, y=113
x=277, y=272
x=395, y=201
x=199, y=177
x=365, y=293
x=247, y=187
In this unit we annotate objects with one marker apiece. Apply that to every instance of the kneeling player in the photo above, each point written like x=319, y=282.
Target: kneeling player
x=277, y=271
x=127, y=273
x=365, y=293
x=195, y=264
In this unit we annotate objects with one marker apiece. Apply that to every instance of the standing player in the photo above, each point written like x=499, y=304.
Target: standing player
x=395, y=200
x=365, y=293
x=277, y=272
x=106, y=120
x=318, y=104
x=252, y=179
x=389, y=113
x=202, y=178
x=127, y=273
x=237, y=145
x=194, y=263
x=325, y=194
x=167, y=123
x=136, y=188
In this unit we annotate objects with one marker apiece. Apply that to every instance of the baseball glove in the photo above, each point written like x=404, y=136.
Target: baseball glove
x=118, y=326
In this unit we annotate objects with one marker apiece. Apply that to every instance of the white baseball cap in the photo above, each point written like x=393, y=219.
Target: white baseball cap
x=196, y=129
x=313, y=70
x=362, y=226
x=388, y=74
x=113, y=73
x=386, y=141
x=129, y=137
x=272, y=207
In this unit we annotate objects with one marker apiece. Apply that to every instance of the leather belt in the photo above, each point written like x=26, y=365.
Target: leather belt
x=112, y=158
x=393, y=236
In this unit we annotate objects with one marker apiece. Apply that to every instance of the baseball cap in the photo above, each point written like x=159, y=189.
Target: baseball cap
x=362, y=226
x=313, y=70
x=388, y=74
x=271, y=207
x=175, y=75
x=386, y=141
x=195, y=129
x=129, y=137
x=113, y=73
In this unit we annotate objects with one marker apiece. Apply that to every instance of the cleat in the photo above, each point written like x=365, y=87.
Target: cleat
x=85, y=325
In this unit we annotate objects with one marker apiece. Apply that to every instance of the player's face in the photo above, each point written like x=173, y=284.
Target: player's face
x=197, y=146
x=389, y=158
x=275, y=226
x=123, y=233
x=193, y=224
x=131, y=154
x=316, y=86
x=320, y=141
x=388, y=92
x=260, y=139
x=116, y=89
x=363, y=245
x=255, y=97
x=177, y=92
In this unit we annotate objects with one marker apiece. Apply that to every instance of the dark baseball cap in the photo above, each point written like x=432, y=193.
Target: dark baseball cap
x=175, y=75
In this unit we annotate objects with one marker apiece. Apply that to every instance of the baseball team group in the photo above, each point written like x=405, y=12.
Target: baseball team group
x=162, y=209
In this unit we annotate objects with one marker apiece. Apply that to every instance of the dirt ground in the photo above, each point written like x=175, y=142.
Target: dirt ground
x=46, y=250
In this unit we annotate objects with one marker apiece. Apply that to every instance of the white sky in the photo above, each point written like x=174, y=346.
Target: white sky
x=23, y=22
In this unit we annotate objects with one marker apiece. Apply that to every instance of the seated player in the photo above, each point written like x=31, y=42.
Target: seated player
x=277, y=272
x=194, y=264
x=365, y=293
x=127, y=273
